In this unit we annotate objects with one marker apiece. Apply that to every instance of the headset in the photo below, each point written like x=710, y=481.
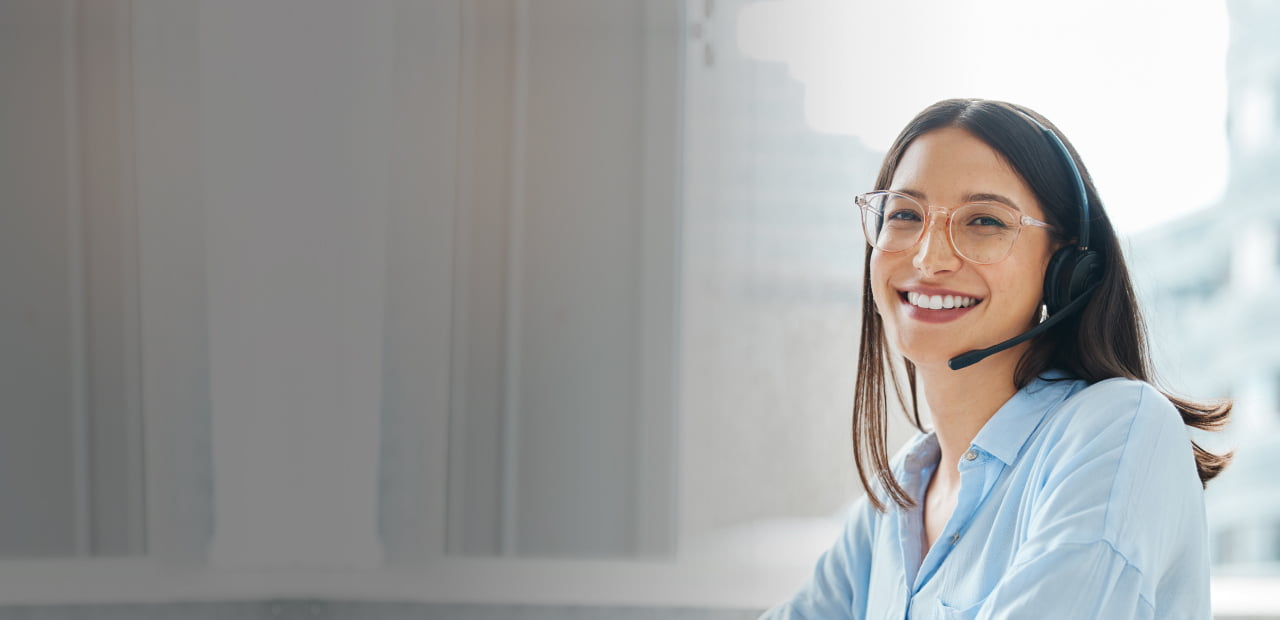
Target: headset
x=1073, y=273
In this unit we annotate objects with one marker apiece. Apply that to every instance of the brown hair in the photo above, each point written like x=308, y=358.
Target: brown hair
x=1114, y=345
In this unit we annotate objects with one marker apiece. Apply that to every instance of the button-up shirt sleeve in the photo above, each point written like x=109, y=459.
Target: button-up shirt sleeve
x=837, y=588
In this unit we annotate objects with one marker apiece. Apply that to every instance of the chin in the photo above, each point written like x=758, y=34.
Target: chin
x=925, y=352
x=933, y=358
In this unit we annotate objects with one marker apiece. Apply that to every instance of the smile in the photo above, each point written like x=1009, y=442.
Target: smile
x=939, y=302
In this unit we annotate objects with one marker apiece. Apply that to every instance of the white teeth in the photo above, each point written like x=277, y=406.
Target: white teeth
x=939, y=302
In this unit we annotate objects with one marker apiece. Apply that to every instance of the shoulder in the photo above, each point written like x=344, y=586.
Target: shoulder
x=1116, y=414
x=1120, y=451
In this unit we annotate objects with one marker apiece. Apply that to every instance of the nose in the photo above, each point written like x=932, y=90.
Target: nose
x=934, y=253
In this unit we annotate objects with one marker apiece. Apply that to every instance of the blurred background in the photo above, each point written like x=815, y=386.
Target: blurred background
x=545, y=308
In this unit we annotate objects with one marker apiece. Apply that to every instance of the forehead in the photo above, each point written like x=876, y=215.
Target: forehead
x=947, y=165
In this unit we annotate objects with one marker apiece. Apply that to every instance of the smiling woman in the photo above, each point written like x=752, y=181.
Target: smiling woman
x=1051, y=459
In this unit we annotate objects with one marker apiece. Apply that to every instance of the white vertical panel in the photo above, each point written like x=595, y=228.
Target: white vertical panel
x=134, y=444
x=659, y=367
x=364, y=225
x=577, y=241
x=512, y=367
x=114, y=457
x=565, y=283
x=67, y=191
x=293, y=95
x=417, y=333
x=78, y=310
x=173, y=321
x=41, y=466
x=487, y=111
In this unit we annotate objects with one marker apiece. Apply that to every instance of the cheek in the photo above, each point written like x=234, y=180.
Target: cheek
x=879, y=280
x=1024, y=279
x=1023, y=291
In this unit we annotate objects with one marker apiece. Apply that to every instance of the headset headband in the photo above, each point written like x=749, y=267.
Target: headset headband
x=1083, y=239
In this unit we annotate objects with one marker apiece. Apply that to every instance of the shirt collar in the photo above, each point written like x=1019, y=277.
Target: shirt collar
x=1008, y=430
x=914, y=464
x=920, y=452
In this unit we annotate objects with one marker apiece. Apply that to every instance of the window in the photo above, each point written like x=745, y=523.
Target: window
x=1224, y=547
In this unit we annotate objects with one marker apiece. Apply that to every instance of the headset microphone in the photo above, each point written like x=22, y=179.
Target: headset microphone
x=965, y=360
x=1073, y=273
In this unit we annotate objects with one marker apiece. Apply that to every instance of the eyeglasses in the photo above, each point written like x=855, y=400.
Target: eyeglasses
x=980, y=232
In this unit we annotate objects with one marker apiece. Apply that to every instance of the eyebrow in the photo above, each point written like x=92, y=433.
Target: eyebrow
x=975, y=197
x=985, y=197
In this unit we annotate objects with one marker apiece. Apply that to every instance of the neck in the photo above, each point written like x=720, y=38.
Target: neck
x=961, y=401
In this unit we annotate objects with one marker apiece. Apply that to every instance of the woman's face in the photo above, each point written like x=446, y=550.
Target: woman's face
x=947, y=168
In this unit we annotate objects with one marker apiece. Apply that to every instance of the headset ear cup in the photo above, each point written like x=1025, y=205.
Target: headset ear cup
x=1070, y=273
x=1055, y=292
x=1086, y=271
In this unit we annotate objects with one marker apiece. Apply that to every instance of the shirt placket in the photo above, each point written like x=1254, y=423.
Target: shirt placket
x=978, y=471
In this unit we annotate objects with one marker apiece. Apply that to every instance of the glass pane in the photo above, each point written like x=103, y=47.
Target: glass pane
x=772, y=265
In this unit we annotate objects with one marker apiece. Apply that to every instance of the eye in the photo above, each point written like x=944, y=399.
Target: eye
x=987, y=220
x=903, y=215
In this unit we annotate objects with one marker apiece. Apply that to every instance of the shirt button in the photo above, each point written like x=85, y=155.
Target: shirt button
x=970, y=455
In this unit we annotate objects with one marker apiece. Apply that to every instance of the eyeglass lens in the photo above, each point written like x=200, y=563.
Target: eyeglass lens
x=982, y=233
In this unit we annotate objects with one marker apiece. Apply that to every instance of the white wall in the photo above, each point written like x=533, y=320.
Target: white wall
x=322, y=198
x=330, y=200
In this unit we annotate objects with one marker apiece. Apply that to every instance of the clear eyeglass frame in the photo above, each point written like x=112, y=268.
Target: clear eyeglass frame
x=870, y=214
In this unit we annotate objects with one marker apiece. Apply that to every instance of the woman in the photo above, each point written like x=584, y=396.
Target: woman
x=1055, y=483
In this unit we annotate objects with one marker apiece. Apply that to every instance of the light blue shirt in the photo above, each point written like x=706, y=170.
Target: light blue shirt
x=1075, y=502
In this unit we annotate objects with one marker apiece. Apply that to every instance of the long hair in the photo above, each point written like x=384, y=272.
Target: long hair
x=1114, y=345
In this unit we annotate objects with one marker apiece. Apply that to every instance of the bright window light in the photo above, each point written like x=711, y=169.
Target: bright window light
x=1139, y=88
